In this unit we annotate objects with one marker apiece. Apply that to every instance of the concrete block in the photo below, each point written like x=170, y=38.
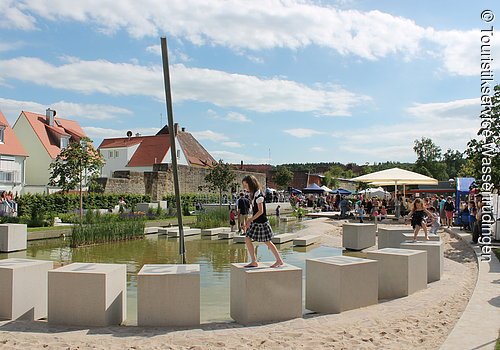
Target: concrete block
x=283, y=238
x=23, y=288
x=401, y=272
x=150, y=230
x=421, y=237
x=168, y=295
x=239, y=239
x=13, y=237
x=215, y=231
x=306, y=240
x=265, y=294
x=226, y=235
x=391, y=237
x=340, y=283
x=166, y=230
x=435, y=257
x=88, y=294
x=288, y=218
x=187, y=232
x=357, y=236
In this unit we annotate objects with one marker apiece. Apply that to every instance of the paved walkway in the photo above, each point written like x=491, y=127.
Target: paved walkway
x=480, y=323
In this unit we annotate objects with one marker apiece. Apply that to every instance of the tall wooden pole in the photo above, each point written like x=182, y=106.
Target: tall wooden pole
x=173, y=152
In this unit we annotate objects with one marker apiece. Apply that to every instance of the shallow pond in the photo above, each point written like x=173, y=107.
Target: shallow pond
x=214, y=256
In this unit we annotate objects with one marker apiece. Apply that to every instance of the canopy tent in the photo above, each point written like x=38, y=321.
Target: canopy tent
x=326, y=189
x=396, y=176
x=296, y=191
x=342, y=192
x=313, y=188
x=464, y=185
x=375, y=192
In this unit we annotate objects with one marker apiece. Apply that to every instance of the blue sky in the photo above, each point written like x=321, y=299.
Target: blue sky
x=258, y=81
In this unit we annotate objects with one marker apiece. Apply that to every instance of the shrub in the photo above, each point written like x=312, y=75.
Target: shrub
x=213, y=218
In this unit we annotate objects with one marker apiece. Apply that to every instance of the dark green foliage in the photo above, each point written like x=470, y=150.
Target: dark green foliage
x=213, y=218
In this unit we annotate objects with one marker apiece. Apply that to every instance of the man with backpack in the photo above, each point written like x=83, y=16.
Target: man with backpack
x=243, y=208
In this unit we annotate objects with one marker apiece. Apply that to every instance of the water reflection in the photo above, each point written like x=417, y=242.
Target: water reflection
x=214, y=257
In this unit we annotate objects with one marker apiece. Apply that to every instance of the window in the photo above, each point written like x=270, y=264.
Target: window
x=110, y=154
x=2, y=133
x=116, y=154
x=64, y=142
x=178, y=154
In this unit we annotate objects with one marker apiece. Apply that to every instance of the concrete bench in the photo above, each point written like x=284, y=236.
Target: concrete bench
x=23, y=288
x=340, y=283
x=401, y=272
x=265, y=294
x=188, y=232
x=435, y=257
x=283, y=238
x=13, y=237
x=150, y=230
x=306, y=240
x=166, y=230
x=168, y=295
x=421, y=237
x=288, y=218
x=357, y=236
x=88, y=294
x=214, y=231
x=226, y=235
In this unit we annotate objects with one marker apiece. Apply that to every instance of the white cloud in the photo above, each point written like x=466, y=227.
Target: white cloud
x=12, y=109
x=302, y=133
x=448, y=124
x=189, y=84
x=209, y=135
x=232, y=157
x=282, y=24
x=10, y=46
x=317, y=149
x=231, y=116
x=102, y=133
x=232, y=144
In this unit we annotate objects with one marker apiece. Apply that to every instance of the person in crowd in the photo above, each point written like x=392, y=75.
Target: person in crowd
x=344, y=205
x=278, y=211
x=442, y=213
x=479, y=213
x=232, y=219
x=449, y=208
x=417, y=215
x=464, y=217
x=361, y=213
x=383, y=213
x=257, y=226
x=472, y=215
x=243, y=208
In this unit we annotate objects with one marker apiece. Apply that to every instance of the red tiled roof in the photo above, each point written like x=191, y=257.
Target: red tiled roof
x=152, y=150
x=61, y=126
x=121, y=142
x=11, y=145
x=194, y=151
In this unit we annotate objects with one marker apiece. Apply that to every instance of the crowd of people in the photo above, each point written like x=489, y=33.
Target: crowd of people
x=8, y=204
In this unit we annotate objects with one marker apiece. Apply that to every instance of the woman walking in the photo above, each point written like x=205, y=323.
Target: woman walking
x=258, y=227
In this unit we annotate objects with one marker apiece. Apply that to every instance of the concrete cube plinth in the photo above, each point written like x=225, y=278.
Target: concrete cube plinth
x=401, y=272
x=215, y=231
x=283, y=238
x=13, y=237
x=166, y=230
x=357, y=236
x=225, y=235
x=168, y=295
x=88, y=294
x=23, y=288
x=306, y=240
x=239, y=239
x=150, y=230
x=435, y=257
x=391, y=237
x=420, y=237
x=340, y=283
x=288, y=218
x=187, y=232
x=265, y=294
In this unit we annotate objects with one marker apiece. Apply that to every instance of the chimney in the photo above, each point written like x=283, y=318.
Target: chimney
x=241, y=165
x=137, y=135
x=50, y=114
x=176, y=129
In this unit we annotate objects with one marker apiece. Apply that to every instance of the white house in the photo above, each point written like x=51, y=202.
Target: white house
x=43, y=137
x=140, y=153
x=12, y=159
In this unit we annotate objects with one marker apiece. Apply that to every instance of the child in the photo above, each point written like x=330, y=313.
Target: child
x=436, y=221
x=232, y=219
x=258, y=227
x=417, y=215
x=361, y=213
x=278, y=209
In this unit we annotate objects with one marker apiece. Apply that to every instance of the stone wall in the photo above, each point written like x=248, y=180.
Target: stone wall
x=159, y=182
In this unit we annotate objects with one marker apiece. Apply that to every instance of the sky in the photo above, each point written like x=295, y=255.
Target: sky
x=255, y=81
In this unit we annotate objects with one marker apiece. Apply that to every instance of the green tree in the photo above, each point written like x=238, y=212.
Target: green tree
x=220, y=178
x=429, y=159
x=332, y=174
x=484, y=153
x=76, y=166
x=453, y=160
x=283, y=176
